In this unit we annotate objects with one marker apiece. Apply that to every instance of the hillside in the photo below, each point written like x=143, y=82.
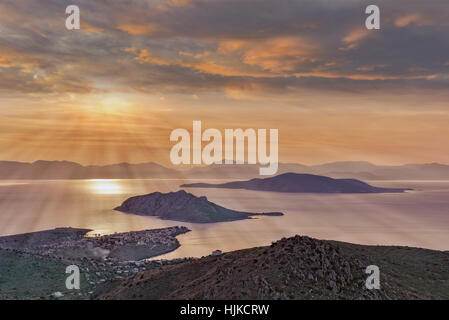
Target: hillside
x=295, y=268
x=299, y=183
x=30, y=276
x=36, y=239
x=183, y=206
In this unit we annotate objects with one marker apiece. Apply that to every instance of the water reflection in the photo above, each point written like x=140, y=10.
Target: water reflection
x=105, y=186
x=418, y=218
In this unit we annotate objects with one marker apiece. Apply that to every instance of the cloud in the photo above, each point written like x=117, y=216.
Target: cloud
x=357, y=35
x=281, y=54
x=137, y=29
x=5, y=62
x=199, y=45
x=12, y=58
x=246, y=60
x=85, y=27
x=211, y=67
x=144, y=56
x=228, y=46
x=415, y=18
x=174, y=4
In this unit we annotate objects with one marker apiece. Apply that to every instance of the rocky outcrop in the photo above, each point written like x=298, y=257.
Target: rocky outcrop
x=183, y=206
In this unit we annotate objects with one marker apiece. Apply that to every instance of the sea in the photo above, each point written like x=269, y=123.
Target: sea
x=416, y=218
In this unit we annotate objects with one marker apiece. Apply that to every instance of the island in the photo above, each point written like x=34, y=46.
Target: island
x=183, y=206
x=300, y=183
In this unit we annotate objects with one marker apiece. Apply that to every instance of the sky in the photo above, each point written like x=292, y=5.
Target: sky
x=136, y=70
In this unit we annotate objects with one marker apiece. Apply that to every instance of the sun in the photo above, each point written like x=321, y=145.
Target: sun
x=113, y=103
x=107, y=104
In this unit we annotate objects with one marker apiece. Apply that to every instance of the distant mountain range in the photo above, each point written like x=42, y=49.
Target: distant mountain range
x=357, y=170
x=72, y=170
x=299, y=183
x=183, y=206
x=344, y=169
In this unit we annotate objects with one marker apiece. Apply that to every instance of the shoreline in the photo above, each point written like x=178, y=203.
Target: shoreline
x=40, y=260
x=73, y=243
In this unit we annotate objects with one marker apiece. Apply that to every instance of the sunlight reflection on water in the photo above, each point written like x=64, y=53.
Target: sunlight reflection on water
x=419, y=218
x=105, y=186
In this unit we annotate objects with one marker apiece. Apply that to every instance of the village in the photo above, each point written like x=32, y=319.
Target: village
x=100, y=258
x=97, y=246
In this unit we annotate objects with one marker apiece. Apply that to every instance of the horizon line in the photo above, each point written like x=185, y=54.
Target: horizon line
x=202, y=165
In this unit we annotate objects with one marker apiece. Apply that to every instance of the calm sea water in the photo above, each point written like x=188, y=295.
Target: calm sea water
x=418, y=218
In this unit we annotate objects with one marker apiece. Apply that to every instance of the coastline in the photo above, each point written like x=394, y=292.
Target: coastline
x=44, y=269
x=73, y=243
x=40, y=261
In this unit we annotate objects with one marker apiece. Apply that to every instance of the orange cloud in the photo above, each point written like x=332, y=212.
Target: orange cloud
x=90, y=29
x=211, y=67
x=11, y=58
x=371, y=68
x=356, y=35
x=415, y=18
x=353, y=38
x=138, y=29
x=5, y=62
x=280, y=54
x=228, y=46
x=196, y=56
x=144, y=56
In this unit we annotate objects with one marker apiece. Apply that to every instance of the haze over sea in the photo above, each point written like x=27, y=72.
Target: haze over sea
x=418, y=218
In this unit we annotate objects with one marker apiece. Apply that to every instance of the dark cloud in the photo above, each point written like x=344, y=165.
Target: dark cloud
x=186, y=45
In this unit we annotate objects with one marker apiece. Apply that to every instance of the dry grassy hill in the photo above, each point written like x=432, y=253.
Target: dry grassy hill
x=296, y=268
